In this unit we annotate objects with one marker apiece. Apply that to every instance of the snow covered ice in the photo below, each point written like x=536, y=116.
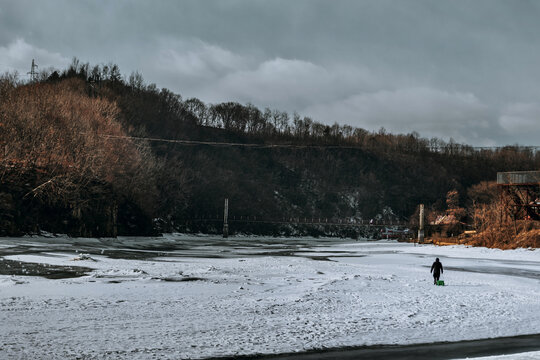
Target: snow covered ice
x=194, y=297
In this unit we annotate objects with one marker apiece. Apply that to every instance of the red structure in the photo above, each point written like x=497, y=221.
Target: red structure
x=520, y=194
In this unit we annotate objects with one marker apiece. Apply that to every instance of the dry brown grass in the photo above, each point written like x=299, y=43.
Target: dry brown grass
x=496, y=230
x=524, y=234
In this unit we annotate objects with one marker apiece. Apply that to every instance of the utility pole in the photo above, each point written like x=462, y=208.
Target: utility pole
x=33, y=72
x=225, y=219
x=421, y=225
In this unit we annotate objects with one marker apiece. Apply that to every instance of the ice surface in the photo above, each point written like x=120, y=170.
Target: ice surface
x=186, y=297
x=533, y=355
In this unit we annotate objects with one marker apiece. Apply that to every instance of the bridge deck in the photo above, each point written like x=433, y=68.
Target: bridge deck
x=307, y=221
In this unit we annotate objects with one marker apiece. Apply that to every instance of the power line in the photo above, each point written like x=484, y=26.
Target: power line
x=261, y=146
x=9, y=66
x=214, y=143
x=14, y=68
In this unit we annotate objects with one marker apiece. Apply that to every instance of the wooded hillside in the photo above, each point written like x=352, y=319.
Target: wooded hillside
x=76, y=159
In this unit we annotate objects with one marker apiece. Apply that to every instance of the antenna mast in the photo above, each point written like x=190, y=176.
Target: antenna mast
x=33, y=72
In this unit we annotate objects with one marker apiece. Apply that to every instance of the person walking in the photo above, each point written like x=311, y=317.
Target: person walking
x=437, y=270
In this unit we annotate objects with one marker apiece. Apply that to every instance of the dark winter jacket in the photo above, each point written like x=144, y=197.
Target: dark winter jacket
x=437, y=268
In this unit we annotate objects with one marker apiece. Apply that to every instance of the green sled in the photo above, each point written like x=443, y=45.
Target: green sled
x=440, y=282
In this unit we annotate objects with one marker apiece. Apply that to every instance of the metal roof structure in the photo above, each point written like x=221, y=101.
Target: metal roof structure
x=518, y=178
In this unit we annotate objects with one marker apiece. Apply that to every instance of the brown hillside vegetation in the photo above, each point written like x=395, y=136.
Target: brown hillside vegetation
x=526, y=234
x=489, y=219
x=55, y=130
x=495, y=228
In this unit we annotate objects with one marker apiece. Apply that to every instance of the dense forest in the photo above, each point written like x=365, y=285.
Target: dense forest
x=89, y=152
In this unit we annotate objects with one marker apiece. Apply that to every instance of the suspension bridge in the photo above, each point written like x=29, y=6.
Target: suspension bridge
x=300, y=221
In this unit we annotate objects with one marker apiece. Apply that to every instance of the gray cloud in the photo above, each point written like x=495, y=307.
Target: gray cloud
x=16, y=55
x=521, y=120
x=431, y=112
x=460, y=69
x=290, y=83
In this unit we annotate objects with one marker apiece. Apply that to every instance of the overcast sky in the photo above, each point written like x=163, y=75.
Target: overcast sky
x=467, y=70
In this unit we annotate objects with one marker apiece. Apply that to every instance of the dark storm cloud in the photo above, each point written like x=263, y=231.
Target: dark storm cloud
x=460, y=69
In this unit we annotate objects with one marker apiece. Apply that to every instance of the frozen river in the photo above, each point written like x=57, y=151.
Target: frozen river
x=182, y=296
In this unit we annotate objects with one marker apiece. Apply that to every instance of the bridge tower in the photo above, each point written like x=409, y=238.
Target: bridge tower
x=226, y=219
